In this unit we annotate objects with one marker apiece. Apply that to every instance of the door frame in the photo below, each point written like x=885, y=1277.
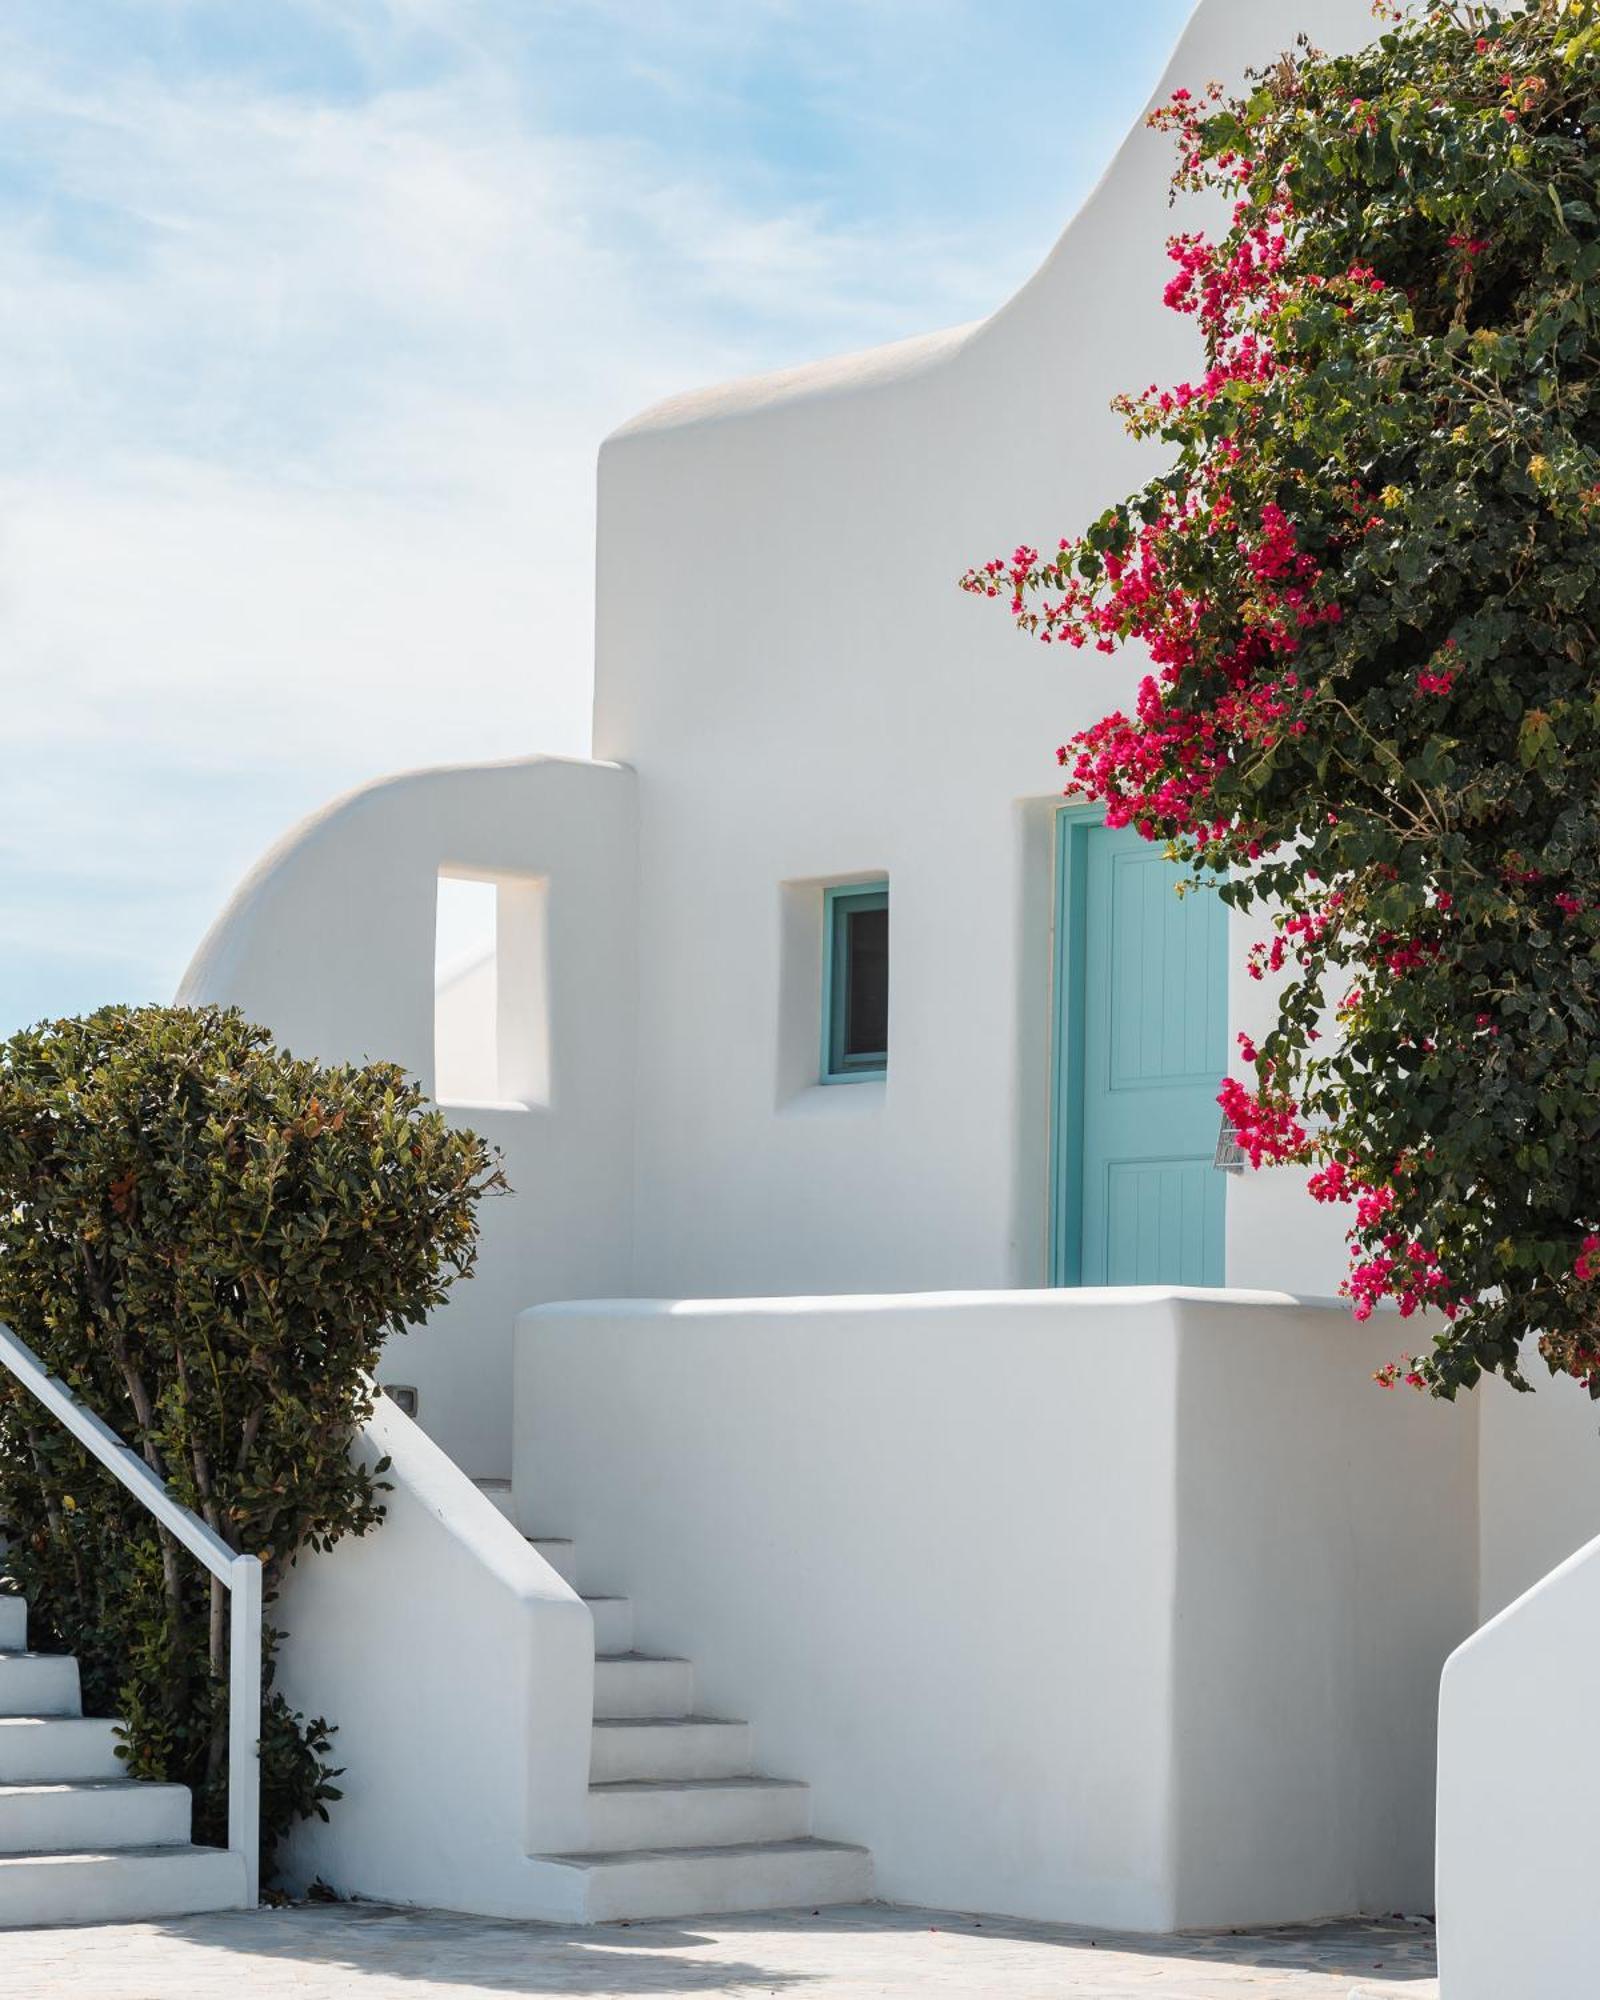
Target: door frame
x=1064, y=1242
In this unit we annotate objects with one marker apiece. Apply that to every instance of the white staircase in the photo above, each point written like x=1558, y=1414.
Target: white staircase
x=680, y=1824
x=79, y=1841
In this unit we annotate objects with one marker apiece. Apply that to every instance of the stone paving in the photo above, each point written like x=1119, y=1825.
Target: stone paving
x=366, y=1952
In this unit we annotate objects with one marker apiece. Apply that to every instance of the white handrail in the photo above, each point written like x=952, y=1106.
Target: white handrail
x=240, y=1574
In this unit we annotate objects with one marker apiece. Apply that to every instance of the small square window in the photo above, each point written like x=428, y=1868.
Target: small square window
x=855, y=982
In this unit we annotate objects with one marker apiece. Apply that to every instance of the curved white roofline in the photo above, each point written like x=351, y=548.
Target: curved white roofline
x=839, y=374
x=1208, y=45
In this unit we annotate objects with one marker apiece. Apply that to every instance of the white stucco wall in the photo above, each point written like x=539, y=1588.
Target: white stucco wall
x=1181, y=1574
x=1327, y=1567
x=821, y=702
x=331, y=944
x=1539, y=1480
x=1120, y=1607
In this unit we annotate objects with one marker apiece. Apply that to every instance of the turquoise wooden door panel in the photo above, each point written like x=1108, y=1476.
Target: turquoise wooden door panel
x=1141, y=1050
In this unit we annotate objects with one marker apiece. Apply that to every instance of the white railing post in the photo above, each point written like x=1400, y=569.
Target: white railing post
x=244, y=1721
x=240, y=1574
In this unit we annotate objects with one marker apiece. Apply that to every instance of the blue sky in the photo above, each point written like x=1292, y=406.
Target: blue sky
x=313, y=313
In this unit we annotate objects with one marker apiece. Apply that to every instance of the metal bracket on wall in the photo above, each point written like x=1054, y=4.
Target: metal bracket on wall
x=1229, y=1156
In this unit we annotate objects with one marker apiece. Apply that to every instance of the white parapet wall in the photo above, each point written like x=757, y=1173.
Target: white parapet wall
x=1119, y=1607
x=458, y=1670
x=1519, y=1798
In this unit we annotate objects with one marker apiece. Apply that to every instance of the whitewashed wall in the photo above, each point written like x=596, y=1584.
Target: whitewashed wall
x=1120, y=1607
x=784, y=657
x=820, y=701
x=330, y=943
x=1540, y=1481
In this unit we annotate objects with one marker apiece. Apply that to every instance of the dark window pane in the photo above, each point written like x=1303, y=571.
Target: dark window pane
x=866, y=1027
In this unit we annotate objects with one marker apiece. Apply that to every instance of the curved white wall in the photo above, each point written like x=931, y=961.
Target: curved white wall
x=330, y=943
x=783, y=654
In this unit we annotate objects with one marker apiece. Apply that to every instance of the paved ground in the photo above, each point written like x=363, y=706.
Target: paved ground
x=362, y=1952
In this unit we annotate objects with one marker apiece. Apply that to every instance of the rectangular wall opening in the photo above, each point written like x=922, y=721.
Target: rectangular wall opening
x=491, y=1015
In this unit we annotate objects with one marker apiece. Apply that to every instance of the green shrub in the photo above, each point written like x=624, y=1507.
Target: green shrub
x=209, y=1240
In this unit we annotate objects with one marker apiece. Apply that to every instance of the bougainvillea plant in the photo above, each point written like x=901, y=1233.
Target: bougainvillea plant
x=1368, y=588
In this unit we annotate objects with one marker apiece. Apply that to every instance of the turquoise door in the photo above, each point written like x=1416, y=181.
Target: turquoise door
x=1141, y=1048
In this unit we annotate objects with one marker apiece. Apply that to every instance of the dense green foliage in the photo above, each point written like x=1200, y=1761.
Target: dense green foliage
x=208, y=1240
x=1369, y=586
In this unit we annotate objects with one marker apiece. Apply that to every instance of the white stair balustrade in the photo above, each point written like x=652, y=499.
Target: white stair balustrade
x=80, y=1841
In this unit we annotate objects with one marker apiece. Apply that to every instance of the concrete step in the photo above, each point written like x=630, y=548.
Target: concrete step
x=54, y=1749
x=100, y=1814
x=13, y=1623
x=559, y=1554
x=499, y=1491
x=613, y=1623
x=696, y=1812
x=700, y=1881
x=39, y=1684
x=130, y=1885
x=635, y=1684
x=676, y=1746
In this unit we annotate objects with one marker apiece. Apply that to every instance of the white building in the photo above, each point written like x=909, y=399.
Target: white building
x=1009, y=1477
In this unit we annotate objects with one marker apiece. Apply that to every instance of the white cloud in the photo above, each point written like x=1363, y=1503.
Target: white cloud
x=301, y=479
x=299, y=396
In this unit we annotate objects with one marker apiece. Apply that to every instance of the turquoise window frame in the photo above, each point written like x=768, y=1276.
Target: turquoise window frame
x=838, y=906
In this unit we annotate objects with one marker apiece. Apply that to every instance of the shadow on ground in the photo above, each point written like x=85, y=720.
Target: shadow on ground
x=789, y=1951
x=484, y=1955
